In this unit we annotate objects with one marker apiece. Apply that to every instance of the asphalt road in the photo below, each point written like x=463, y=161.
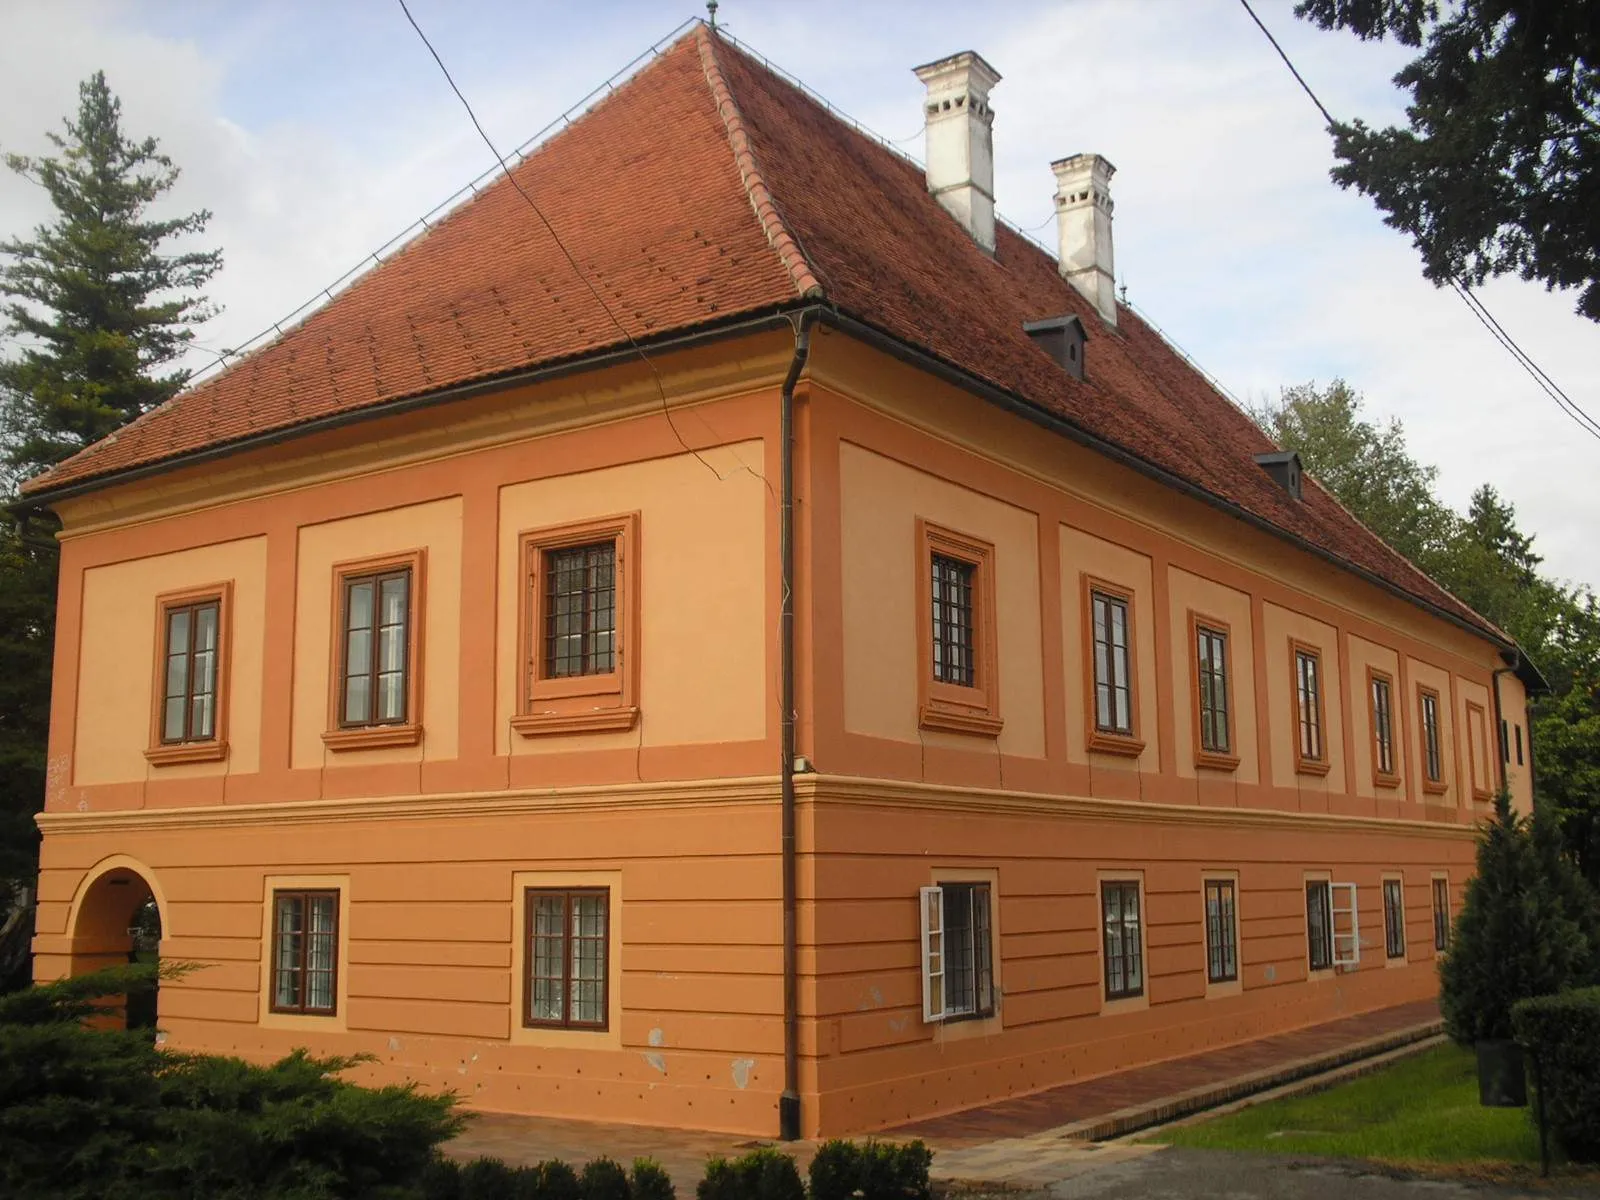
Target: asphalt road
x=1177, y=1174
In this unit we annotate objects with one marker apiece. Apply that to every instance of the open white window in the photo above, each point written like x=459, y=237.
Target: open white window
x=1346, y=925
x=957, y=955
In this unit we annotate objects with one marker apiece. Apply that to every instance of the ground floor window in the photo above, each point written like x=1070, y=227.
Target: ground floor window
x=305, y=951
x=1222, y=937
x=1441, y=913
x=1394, y=918
x=566, y=957
x=957, y=951
x=1124, y=947
x=1319, y=924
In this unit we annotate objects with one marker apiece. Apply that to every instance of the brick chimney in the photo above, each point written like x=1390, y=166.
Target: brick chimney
x=1083, y=225
x=960, y=142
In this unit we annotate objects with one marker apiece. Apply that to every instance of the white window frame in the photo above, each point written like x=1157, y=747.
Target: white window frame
x=935, y=962
x=1349, y=954
x=932, y=899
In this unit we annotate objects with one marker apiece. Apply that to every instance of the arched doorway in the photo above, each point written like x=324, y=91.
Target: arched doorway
x=117, y=918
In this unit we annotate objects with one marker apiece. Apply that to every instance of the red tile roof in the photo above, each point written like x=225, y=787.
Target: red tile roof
x=704, y=188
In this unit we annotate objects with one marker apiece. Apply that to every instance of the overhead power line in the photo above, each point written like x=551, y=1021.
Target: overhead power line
x=1474, y=303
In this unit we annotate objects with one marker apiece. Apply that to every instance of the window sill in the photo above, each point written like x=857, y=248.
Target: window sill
x=1211, y=760
x=959, y=720
x=1397, y=961
x=1480, y=796
x=1226, y=987
x=372, y=737
x=593, y=720
x=1386, y=781
x=1124, y=1004
x=1306, y=766
x=186, y=752
x=1433, y=788
x=1115, y=743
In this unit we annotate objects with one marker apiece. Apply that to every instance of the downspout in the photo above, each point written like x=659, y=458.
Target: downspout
x=789, y=1101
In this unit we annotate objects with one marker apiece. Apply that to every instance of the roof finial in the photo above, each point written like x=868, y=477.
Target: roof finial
x=711, y=11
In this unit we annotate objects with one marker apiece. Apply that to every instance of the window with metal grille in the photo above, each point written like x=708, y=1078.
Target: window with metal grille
x=189, y=690
x=1383, y=724
x=1113, y=669
x=957, y=952
x=1124, y=949
x=567, y=957
x=1211, y=648
x=1308, y=690
x=953, y=645
x=376, y=633
x=1441, y=914
x=1319, y=924
x=1430, y=737
x=1394, y=918
x=580, y=610
x=1519, y=745
x=1222, y=938
x=305, y=952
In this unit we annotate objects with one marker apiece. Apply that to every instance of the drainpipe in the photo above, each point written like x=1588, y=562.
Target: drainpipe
x=789, y=1101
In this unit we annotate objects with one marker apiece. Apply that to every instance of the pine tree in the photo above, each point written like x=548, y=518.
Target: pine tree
x=97, y=305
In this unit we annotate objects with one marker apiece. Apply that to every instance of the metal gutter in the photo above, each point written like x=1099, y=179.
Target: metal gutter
x=789, y=1101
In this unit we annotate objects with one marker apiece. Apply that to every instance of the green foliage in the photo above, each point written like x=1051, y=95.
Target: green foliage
x=558, y=1181
x=604, y=1179
x=872, y=1170
x=28, y=560
x=763, y=1174
x=488, y=1179
x=649, y=1181
x=1568, y=736
x=1515, y=937
x=1563, y=1031
x=1498, y=169
x=69, y=1001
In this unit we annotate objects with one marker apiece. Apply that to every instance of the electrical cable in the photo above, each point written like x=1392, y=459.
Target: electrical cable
x=1474, y=304
x=577, y=270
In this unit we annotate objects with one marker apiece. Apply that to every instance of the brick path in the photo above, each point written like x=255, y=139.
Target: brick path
x=1073, y=1103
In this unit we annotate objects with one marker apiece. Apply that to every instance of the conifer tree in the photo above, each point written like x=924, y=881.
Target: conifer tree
x=97, y=306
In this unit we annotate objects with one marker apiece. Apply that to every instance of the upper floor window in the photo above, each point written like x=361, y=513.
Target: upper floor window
x=305, y=951
x=1432, y=755
x=579, y=627
x=1213, y=694
x=958, y=664
x=187, y=709
x=1310, y=751
x=376, y=629
x=1109, y=642
x=1381, y=712
x=957, y=951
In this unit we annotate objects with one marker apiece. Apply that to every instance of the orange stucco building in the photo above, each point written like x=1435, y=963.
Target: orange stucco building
x=428, y=665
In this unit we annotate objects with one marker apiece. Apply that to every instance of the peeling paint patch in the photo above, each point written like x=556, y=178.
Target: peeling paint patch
x=658, y=1061
x=898, y=1024
x=742, y=1068
x=395, y=1043
x=1271, y=972
x=874, y=1000
x=658, y=1036
x=466, y=1063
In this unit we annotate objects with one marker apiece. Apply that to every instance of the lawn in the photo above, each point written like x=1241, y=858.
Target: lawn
x=1423, y=1109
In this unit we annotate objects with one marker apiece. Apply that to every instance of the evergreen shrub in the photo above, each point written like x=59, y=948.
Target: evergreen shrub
x=1563, y=1033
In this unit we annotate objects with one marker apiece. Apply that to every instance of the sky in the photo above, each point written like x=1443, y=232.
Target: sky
x=315, y=132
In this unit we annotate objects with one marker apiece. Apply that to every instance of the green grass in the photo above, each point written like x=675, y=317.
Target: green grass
x=1423, y=1109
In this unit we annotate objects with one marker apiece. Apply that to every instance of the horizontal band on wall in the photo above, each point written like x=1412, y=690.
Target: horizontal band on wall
x=810, y=789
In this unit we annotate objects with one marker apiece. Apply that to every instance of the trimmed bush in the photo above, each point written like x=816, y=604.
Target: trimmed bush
x=1563, y=1033
x=650, y=1181
x=557, y=1181
x=763, y=1174
x=488, y=1179
x=603, y=1179
x=872, y=1170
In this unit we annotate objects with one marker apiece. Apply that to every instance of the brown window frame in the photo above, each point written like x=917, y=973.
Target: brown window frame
x=1322, y=961
x=163, y=752
x=942, y=705
x=1110, y=739
x=1137, y=955
x=1222, y=757
x=1394, y=917
x=1518, y=729
x=305, y=895
x=530, y=897
x=1321, y=762
x=344, y=735
x=1222, y=956
x=1431, y=735
x=1441, y=913
x=980, y=911
x=597, y=702
x=1383, y=738
x=1478, y=739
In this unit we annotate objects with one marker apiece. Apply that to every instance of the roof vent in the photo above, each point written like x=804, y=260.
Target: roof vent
x=1284, y=467
x=1062, y=338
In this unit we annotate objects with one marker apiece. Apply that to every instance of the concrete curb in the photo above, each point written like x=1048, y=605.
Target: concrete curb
x=1214, y=1095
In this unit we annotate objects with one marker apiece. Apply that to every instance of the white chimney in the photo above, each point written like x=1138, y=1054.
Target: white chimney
x=1083, y=225
x=960, y=142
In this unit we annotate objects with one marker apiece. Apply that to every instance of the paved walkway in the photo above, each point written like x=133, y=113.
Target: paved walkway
x=1030, y=1141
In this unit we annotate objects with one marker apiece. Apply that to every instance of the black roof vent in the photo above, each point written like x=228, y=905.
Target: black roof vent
x=1062, y=338
x=1284, y=467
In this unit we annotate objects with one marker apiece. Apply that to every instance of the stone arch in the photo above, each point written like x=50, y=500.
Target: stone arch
x=104, y=911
